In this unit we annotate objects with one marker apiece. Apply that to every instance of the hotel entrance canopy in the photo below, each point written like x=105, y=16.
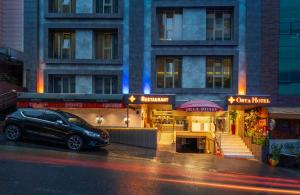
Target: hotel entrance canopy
x=200, y=106
x=284, y=112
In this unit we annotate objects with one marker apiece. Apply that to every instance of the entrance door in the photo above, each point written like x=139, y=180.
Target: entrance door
x=221, y=125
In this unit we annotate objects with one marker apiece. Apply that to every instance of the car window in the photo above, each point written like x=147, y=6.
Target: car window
x=33, y=113
x=52, y=117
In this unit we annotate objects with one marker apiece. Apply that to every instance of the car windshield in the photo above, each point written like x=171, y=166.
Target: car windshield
x=75, y=120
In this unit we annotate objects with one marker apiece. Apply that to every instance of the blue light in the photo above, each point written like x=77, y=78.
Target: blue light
x=147, y=88
x=125, y=82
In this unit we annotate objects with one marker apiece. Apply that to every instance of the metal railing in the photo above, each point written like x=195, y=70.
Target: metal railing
x=8, y=99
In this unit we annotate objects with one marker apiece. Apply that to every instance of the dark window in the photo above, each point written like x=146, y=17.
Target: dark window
x=219, y=25
x=33, y=113
x=62, y=6
x=62, y=44
x=52, y=117
x=168, y=72
x=61, y=84
x=107, y=6
x=170, y=24
x=106, y=84
x=218, y=72
x=106, y=45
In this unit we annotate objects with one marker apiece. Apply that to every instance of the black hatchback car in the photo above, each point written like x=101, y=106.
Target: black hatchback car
x=54, y=126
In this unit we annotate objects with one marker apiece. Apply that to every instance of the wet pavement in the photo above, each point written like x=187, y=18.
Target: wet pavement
x=29, y=167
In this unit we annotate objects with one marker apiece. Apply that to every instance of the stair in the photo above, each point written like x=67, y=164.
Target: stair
x=233, y=146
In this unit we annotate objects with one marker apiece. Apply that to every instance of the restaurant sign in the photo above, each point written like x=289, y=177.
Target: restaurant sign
x=248, y=100
x=149, y=99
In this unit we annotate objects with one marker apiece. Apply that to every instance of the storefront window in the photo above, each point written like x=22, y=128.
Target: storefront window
x=168, y=72
x=218, y=72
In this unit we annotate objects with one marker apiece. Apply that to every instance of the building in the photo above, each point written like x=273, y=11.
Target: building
x=147, y=49
x=11, y=41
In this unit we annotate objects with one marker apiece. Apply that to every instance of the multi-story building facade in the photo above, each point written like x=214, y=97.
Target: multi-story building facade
x=187, y=48
x=11, y=42
x=196, y=49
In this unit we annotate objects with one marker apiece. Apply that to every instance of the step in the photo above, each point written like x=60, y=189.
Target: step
x=235, y=149
x=238, y=153
x=240, y=156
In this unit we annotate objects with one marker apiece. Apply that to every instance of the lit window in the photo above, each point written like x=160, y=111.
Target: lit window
x=168, y=72
x=62, y=6
x=107, y=45
x=61, y=45
x=218, y=72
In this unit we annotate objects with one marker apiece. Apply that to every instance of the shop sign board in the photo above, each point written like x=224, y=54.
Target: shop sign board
x=38, y=104
x=149, y=99
x=248, y=100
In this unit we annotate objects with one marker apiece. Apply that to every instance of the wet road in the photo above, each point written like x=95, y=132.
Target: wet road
x=35, y=168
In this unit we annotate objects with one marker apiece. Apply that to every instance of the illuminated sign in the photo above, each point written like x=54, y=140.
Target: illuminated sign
x=248, y=100
x=32, y=104
x=149, y=99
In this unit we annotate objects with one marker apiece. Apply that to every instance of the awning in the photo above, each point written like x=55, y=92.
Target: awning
x=200, y=106
x=284, y=112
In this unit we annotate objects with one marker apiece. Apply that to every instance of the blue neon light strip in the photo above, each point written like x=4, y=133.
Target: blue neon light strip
x=147, y=48
x=125, y=83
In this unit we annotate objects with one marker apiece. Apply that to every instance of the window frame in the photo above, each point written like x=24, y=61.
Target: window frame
x=216, y=76
x=112, y=79
x=162, y=16
x=100, y=48
x=59, y=7
x=57, y=40
x=211, y=14
x=62, y=87
x=164, y=73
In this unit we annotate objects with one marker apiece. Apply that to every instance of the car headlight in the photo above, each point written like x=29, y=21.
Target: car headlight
x=92, y=134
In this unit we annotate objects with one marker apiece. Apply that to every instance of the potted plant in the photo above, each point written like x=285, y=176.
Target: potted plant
x=233, y=116
x=274, y=158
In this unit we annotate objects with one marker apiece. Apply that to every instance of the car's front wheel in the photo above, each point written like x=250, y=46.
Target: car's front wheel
x=12, y=132
x=75, y=142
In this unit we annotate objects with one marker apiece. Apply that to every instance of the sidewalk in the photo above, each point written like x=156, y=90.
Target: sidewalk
x=201, y=162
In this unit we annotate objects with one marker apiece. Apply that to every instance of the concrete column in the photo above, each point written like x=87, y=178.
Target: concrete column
x=194, y=24
x=84, y=44
x=84, y=6
x=84, y=84
x=193, y=72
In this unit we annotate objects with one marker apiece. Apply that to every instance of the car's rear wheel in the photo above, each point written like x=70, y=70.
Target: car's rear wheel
x=12, y=132
x=75, y=142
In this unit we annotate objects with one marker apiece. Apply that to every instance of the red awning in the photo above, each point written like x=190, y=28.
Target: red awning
x=200, y=106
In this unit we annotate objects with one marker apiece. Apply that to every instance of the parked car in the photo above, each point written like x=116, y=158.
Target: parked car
x=54, y=126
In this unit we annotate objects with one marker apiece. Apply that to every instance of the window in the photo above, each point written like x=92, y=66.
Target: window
x=62, y=6
x=106, y=85
x=107, y=45
x=170, y=24
x=219, y=25
x=62, y=45
x=61, y=84
x=52, y=117
x=218, y=72
x=107, y=6
x=168, y=72
x=33, y=113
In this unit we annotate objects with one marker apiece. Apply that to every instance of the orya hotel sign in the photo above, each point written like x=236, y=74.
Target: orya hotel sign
x=248, y=100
